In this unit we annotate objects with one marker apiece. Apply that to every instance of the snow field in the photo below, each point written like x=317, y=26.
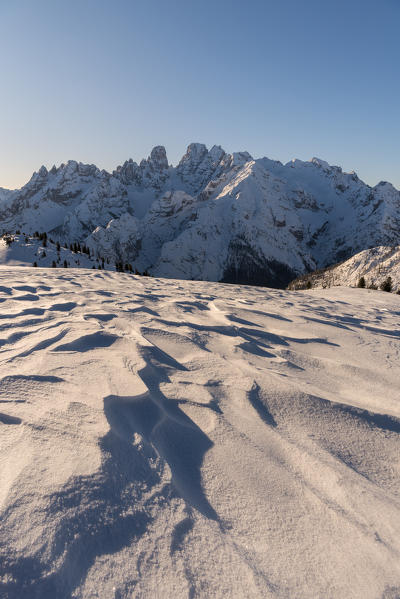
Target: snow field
x=164, y=438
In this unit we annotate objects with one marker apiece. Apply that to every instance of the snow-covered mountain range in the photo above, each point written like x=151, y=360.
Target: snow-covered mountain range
x=215, y=216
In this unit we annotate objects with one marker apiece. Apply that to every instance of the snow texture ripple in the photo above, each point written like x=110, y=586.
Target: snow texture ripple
x=165, y=438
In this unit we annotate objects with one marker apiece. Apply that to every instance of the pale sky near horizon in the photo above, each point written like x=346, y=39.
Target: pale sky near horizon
x=101, y=81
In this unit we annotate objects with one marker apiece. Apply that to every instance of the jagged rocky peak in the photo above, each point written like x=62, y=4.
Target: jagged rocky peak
x=43, y=172
x=128, y=173
x=157, y=159
x=38, y=178
x=216, y=153
x=71, y=168
x=239, y=158
x=150, y=173
x=199, y=165
x=153, y=172
x=195, y=153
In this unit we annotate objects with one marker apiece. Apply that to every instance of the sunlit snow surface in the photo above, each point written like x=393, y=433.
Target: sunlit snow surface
x=162, y=438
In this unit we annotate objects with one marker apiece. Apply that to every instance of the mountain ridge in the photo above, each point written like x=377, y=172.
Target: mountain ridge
x=214, y=216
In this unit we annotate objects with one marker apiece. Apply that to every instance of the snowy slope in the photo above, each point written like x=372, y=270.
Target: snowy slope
x=183, y=439
x=26, y=250
x=375, y=265
x=215, y=216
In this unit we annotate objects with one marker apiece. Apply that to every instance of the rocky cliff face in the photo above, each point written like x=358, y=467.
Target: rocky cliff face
x=215, y=216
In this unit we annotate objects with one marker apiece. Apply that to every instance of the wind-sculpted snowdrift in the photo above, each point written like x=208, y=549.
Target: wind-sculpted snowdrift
x=182, y=439
x=215, y=216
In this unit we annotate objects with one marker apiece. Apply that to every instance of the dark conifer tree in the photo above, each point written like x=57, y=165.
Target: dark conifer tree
x=361, y=283
x=386, y=285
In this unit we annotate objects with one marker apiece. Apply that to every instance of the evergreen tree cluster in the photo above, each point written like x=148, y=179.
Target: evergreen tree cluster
x=121, y=267
x=386, y=285
x=78, y=249
x=8, y=239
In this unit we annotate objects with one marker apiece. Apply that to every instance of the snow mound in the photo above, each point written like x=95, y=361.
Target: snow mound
x=164, y=438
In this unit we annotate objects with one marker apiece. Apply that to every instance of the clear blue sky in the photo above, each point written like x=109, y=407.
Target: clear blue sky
x=102, y=81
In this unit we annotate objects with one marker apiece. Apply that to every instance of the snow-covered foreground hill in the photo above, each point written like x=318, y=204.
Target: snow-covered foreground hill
x=375, y=265
x=26, y=251
x=165, y=438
